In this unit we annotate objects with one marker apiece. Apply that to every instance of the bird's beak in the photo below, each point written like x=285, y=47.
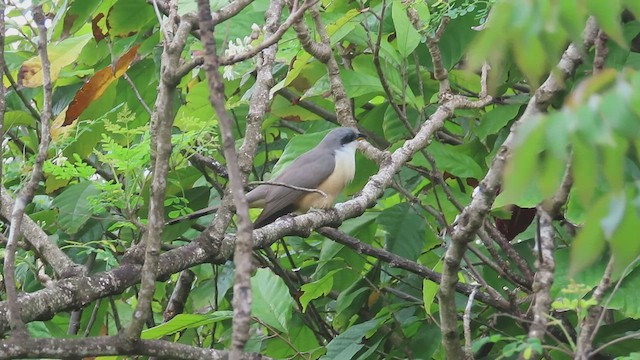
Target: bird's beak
x=361, y=137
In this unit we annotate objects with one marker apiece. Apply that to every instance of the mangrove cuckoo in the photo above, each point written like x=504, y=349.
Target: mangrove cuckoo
x=320, y=175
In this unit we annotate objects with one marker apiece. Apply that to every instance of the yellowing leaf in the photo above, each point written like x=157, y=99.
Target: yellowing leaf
x=58, y=129
x=60, y=55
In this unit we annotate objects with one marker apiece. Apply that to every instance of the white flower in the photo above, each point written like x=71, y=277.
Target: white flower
x=228, y=73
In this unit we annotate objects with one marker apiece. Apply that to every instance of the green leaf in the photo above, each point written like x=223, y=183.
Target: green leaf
x=614, y=158
x=74, y=206
x=272, y=303
x=429, y=292
x=633, y=6
x=78, y=14
x=617, y=207
x=128, y=16
x=626, y=297
x=343, y=26
x=522, y=168
x=358, y=84
x=589, y=243
x=407, y=37
x=530, y=56
x=608, y=15
x=449, y=159
x=347, y=344
x=496, y=119
x=185, y=321
x=314, y=290
x=17, y=118
x=405, y=230
x=585, y=170
x=626, y=228
x=349, y=302
x=427, y=340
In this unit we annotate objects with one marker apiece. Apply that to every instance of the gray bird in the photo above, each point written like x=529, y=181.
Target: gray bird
x=328, y=167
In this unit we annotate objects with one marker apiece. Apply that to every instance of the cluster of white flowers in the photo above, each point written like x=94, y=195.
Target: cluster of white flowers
x=238, y=47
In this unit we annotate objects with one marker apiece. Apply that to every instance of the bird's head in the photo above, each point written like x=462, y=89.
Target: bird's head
x=341, y=137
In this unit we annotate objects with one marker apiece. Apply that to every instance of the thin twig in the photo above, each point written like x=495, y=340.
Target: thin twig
x=466, y=323
x=136, y=92
x=160, y=22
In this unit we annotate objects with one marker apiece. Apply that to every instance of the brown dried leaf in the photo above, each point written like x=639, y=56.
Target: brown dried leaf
x=97, y=29
x=96, y=86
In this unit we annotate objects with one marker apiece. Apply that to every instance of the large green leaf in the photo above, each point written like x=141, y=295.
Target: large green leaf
x=454, y=162
x=623, y=228
x=625, y=298
x=407, y=37
x=590, y=242
x=496, y=119
x=608, y=15
x=359, y=84
x=315, y=289
x=75, y=206
x=272, y=303
x=128, y=16
x=406, y=230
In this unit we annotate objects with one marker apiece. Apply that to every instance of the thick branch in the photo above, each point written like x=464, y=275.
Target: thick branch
x=161, y=123
x=37, y=348
x=244, y=241
x=26, y=194
x=473, y=215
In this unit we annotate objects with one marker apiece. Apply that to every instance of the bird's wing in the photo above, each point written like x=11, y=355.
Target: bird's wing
x=307, y=171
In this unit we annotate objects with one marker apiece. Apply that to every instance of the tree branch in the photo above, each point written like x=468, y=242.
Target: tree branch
x=473, y=215
x=244, y=243
x=411, y=266
x=105, y=346
x=161, y=124
x=28, y=191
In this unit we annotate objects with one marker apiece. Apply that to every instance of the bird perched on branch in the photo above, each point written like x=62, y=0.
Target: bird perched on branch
x=313, y=180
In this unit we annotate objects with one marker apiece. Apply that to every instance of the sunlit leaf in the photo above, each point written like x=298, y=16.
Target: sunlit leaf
x=60, y=55
x=454, y=162
x=620, y=230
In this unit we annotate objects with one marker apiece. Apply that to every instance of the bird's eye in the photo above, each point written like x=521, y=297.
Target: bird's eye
x=348, y=138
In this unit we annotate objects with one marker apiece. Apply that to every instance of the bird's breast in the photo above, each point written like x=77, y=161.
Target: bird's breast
x=343, y=172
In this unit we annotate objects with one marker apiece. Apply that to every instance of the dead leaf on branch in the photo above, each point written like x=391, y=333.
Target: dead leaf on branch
x=97, y=85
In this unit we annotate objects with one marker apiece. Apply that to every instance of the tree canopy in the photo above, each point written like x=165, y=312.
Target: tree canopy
x=493, y=213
